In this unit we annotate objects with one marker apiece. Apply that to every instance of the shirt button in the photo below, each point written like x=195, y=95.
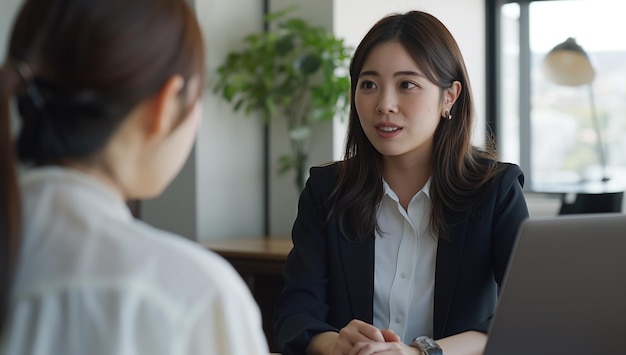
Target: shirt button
x=399, y=319
x=403, y=275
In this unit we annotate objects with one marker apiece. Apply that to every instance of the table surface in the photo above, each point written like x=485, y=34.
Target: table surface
x=589, y=187
x=272, y=248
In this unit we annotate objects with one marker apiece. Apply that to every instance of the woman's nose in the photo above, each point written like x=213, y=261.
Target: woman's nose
x=387, y=103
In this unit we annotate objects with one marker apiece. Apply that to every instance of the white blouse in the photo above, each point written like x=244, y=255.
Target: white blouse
x=404, y=266
x=93, y=280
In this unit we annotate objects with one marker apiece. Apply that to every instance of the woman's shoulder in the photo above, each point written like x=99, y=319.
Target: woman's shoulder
x=185, y=271
x=175, y=268
x=509, y=173
x=327, y=170
x=324, y=177
x=506, y=178
x=493, y=171
x=128, y=257
x=190, y=258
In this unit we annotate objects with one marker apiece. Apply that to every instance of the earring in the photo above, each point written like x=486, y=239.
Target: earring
x=447, y=115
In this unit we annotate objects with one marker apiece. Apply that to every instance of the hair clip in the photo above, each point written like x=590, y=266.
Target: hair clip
x=24, y=71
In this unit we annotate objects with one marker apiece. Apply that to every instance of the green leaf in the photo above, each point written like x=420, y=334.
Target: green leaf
x=286, y=163
x=285, y=45
x=269, y=104
x=238, y=104
x=308, y=63
x=229, y=92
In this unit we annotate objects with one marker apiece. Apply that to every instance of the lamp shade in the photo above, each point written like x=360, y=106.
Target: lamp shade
x=568, y=64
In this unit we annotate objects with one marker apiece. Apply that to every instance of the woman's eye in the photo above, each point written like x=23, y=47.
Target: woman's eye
x=407, y=85
x=368, y=85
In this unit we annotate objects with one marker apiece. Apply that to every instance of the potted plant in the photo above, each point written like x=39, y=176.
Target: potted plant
x=294, y=71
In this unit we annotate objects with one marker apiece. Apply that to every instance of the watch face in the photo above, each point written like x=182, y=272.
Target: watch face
x=431, y=343
x=426, y=345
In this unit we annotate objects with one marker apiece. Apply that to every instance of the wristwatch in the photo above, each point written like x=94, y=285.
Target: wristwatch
x=426, y=345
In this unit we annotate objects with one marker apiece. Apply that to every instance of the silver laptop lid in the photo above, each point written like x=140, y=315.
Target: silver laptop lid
x=565, y=288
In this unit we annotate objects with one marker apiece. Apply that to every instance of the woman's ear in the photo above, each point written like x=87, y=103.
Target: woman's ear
x=450, y=95
x=166, y=107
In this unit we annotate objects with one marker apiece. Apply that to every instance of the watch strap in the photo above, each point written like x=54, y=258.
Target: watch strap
x=427, y=345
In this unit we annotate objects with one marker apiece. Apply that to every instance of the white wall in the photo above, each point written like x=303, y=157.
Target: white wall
x=219, y=193
x=8, y=9
x=230, y=170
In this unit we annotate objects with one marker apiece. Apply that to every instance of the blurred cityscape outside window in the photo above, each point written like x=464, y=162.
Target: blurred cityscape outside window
x=562, y=139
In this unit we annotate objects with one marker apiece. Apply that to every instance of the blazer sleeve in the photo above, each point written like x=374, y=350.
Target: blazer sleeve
x=509, y=212
x=302, y=306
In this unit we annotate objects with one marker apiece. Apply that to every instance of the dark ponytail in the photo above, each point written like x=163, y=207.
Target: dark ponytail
x=90, y=63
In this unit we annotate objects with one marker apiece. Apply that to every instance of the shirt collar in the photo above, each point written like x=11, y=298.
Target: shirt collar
x=89, y=185
x=389, y=192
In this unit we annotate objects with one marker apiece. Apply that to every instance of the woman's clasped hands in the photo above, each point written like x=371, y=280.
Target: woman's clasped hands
x=361, y=338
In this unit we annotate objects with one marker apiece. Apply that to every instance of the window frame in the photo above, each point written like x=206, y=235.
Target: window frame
x=493, y=88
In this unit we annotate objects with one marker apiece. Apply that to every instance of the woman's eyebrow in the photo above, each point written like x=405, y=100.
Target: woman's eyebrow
x=399, y=73
x=408, y=72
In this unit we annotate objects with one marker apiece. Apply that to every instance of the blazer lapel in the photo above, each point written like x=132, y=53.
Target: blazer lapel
x=358, y=267
x=447, y=266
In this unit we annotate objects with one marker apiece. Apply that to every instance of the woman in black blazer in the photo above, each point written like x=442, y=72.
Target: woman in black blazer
x=408, y=238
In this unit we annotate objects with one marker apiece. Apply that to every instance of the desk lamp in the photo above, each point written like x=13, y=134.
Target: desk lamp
x=568, y=64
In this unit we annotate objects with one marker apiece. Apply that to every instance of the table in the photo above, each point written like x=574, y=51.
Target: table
x=259, y=261
x=586, y=197
x=253, y=255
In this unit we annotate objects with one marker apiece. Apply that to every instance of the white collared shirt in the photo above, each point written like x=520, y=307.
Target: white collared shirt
x=404, y=266
x=93, y=280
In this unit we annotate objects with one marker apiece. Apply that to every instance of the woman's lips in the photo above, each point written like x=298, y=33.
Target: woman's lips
x=388, y=131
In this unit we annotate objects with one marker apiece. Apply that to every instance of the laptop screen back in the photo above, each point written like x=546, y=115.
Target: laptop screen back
x=565, y=288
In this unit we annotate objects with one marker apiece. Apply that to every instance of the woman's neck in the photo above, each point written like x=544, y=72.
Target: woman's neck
x=100, y=172
x=406, y=177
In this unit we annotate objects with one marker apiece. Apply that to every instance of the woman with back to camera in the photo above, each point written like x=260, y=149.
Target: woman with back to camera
x=407, y=239
x=109, y=95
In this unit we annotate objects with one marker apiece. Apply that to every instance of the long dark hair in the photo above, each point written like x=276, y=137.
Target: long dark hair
x=458, y=168
x=77, y=69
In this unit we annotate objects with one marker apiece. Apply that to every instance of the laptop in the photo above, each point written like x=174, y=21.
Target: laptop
x=565, y=288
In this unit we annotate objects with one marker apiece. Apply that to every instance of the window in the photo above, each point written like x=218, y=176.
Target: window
x=546, y=128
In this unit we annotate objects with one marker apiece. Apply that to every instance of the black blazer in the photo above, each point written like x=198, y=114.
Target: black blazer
x=329, y=281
